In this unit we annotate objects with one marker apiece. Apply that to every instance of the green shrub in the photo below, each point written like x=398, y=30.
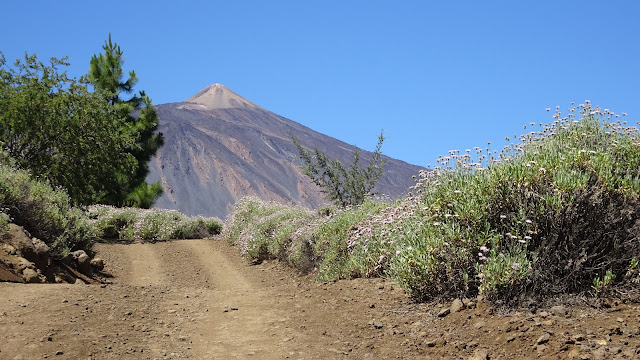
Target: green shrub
x=109, y=222
x=334, y=239
x=44, y=211
x=4, y=225
x=542, y=218
x=265, y=230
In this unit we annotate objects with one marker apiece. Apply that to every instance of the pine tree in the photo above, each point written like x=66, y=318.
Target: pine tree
x=106, y=75
x=345, y=187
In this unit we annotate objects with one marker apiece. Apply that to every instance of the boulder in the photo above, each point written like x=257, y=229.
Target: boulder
x=97, y=264
x=32, y=276
x=32, y=249
x=457, y=305
x=20, y=239
x=41, y=250
x=83, y=261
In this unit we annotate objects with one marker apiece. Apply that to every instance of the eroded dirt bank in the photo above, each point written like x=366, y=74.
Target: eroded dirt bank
x=198, y=299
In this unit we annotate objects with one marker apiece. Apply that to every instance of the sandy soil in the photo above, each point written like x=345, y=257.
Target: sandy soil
x=197, y=299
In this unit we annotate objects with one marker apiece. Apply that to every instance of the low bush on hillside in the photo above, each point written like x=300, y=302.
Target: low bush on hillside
x=265, y=230
x=553, y=212
x=550, y=214
x=300, y=237
x=47, y=214
x=108, y=222
x=44, y=211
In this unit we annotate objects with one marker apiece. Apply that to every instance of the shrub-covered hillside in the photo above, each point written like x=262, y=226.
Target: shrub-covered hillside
x=47, y=213
x=553, y=212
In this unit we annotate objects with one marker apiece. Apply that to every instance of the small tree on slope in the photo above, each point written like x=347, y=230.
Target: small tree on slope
x=343, y=186
x=106, y=75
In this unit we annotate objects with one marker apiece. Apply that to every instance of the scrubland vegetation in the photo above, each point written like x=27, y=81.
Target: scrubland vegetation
x=49, y=215
x=553, y=212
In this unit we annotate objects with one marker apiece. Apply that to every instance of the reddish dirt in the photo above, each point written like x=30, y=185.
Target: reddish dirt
x=198, y=299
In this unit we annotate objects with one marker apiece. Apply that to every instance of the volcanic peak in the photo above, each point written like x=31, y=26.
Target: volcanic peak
x=218, y=96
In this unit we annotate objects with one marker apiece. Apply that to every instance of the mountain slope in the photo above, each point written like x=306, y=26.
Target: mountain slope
x=220, y=147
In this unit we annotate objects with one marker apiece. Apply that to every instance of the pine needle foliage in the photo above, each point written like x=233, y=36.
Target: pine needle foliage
x=107, y=76
x=343, y=186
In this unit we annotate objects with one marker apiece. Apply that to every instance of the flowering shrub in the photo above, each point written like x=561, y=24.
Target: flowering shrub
x=109, y=222
x=555, y=211
x=266, y=230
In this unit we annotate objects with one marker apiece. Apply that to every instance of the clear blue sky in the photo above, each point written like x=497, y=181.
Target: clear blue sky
x=435, y=75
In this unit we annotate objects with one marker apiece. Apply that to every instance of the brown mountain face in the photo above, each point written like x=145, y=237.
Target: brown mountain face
x=220, y=147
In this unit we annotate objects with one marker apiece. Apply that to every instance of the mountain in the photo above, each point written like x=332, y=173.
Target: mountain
x=220, y=147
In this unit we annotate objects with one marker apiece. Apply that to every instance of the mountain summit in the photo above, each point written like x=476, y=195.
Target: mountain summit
x=218, y=96
x=220, y=147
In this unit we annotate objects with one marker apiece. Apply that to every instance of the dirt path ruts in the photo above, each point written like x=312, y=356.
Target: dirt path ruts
x=183, y=299
x=198, y=299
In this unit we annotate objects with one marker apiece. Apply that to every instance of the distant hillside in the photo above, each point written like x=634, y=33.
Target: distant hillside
x=220, y=147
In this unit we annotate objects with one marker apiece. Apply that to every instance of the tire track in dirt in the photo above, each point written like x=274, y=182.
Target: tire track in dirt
x=243, y=321
x=176, y=300
x=223, y=272
x=136, y=264
x=195, y=299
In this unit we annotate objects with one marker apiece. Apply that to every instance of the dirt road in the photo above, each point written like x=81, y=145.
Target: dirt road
x=198, y=299
x=184, y=299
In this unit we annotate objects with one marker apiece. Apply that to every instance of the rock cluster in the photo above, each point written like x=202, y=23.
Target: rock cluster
x=24, y=258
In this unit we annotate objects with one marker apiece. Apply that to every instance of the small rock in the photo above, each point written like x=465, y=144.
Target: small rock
x=578, y=337
x=620, y=320
x=480, y=354
x=543, y=314
x=468, y=303
x=456, y=305
x=479, y=324
x=511, y=338
x=79, y=282
x=30, y=275
x=377, y=324
x=543, y=339
x=430, y=343
x=559, y=310
x=83, y=261
x=97, y=264
x=444, y=312
x=541, y=347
